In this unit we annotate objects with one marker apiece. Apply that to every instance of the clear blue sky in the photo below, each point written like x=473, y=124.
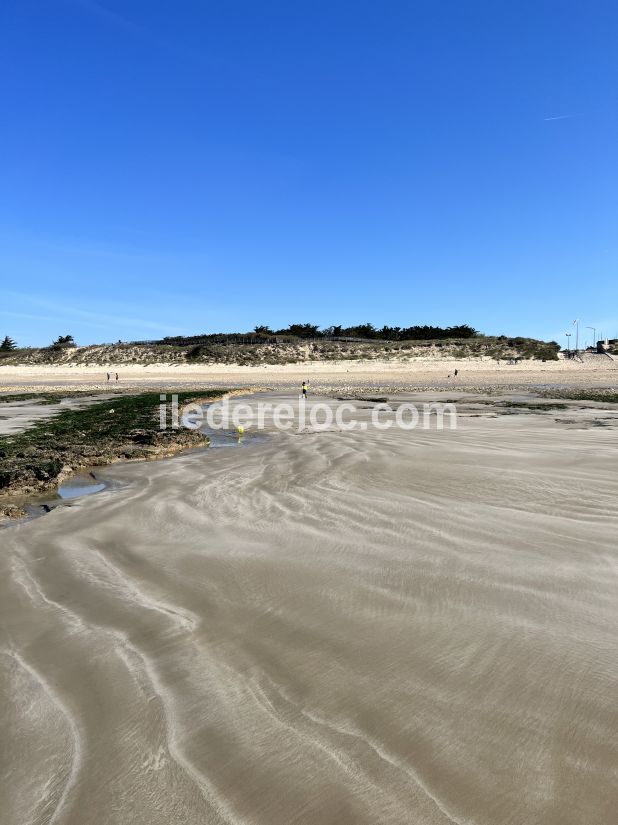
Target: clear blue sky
x=192, y=166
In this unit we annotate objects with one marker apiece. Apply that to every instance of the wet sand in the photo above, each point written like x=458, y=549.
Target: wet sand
x=388, y=628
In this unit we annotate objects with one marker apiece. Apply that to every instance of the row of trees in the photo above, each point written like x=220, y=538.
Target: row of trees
x=307, y=331
x=9, y=345
x=414, y=333
x=368, y=331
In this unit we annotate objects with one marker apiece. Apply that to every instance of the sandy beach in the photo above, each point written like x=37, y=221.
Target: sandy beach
x=395, y=627
x=323, y=375
x=309, y=414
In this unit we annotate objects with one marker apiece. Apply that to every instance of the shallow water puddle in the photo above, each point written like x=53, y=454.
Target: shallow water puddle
x=80, y=486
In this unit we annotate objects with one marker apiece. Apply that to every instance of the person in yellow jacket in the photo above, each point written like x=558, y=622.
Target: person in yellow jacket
x=305, y=388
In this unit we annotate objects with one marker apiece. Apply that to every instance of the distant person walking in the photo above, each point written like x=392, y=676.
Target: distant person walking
x=456, y=371
x=108, y=376
x=305, y=388
x=116, y=376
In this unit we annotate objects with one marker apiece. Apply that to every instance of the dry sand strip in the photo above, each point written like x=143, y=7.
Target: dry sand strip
x=327, y=628
x=398, y=375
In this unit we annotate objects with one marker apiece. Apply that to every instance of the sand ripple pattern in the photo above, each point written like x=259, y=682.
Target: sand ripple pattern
x=389, y=629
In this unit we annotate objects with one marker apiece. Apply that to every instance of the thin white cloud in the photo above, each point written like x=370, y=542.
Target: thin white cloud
x=53, y=319
x=561, y=117
x=65, y=314
x=103, y=13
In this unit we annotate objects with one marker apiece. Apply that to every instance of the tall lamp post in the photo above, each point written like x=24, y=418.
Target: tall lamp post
x=568, y=337
x=576, y=325
x=594, y=332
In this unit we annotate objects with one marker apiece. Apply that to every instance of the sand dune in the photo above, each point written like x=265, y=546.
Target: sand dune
x=394, y=627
